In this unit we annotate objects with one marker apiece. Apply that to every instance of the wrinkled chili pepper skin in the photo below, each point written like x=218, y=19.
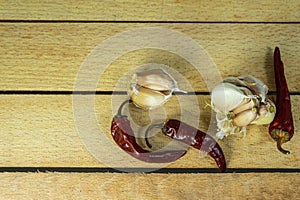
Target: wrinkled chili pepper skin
x=282, y=127
x=195, y=138
x=122, y=134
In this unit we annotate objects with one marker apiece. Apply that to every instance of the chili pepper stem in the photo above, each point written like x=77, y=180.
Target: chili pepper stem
x=279, y=143
x=147, y=132
x=281, y=137
x=121, y=107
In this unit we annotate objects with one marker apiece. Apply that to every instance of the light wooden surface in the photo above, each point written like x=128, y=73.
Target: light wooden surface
x=148, y=186
x=39, y=53
x=167, y=10
x=39, y=131
x=42, y=48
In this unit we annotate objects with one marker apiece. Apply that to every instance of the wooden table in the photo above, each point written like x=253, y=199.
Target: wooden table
x=42, y=48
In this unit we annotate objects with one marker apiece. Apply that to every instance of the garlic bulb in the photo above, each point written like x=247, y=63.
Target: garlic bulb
x=240, y=101
x=151, y=88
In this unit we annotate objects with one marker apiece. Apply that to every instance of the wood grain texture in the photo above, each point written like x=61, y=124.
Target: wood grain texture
x=167, y=10
x=39, y=131
x=48, y=57
x=42, y=47
x=148, y=186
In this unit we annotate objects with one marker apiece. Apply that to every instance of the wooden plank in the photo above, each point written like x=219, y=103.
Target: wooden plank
x=148, y=186
x=47, y=56
x=39, y=131
x=168, y=10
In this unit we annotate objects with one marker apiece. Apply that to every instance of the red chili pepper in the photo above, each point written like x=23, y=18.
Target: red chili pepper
x=123, y=135
x=281, y=128
x=193, y=137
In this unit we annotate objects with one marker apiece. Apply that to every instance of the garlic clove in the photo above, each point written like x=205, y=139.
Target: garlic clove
x=245, y=105
x=146, y=98
x=245, y=118
x=225, y=97
x=266, y=113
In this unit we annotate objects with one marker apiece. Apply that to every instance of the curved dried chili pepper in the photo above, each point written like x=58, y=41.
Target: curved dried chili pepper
x=281, y=128
x=123, y=135
x=193, y=137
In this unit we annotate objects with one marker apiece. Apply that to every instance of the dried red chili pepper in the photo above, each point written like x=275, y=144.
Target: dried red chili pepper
x=281, y=128
x=123, y=135
x=193, y=137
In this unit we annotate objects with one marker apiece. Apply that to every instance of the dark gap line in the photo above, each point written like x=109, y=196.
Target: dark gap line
x=41, y=92
x=141, y=22
x=146, y=170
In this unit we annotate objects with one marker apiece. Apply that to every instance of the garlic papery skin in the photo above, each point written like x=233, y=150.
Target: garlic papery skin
x=151, y=88
x=222, y=97
x=239, y=102
x=155, y=79
x=256, y=85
